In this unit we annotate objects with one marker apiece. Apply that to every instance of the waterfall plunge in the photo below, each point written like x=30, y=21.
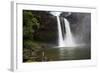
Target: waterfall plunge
x=60, y=41
x=68, y=40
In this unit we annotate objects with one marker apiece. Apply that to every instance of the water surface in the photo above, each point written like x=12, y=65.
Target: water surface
x=67, y=53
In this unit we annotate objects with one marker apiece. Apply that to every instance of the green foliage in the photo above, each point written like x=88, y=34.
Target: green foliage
x=36, y=36
x=30, y=26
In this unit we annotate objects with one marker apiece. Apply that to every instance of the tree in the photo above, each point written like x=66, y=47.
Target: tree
x=30, y=26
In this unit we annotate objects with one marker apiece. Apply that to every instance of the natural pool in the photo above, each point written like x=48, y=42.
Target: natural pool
x=61, y=54
x=67, y=53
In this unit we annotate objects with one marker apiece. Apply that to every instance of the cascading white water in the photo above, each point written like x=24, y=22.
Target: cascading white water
x=68, y=40
x=60, y=41
x=60, y=37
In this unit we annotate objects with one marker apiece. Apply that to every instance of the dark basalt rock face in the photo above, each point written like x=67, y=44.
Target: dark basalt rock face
x=48, y=32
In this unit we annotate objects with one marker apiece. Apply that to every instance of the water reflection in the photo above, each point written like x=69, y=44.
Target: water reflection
x=67, y=53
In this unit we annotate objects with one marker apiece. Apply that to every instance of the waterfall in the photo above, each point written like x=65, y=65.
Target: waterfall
x=67, y=40
x=60, y=36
